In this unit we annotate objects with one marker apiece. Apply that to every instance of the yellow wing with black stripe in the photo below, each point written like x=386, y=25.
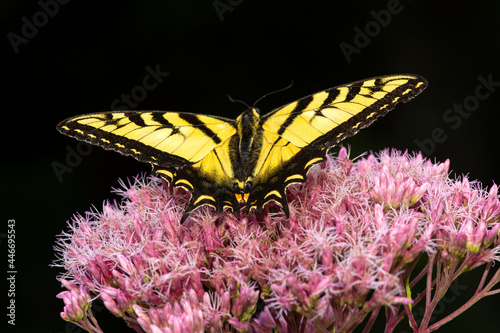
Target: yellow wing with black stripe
x=296, y=136
x=253, y=159
x=188, y=150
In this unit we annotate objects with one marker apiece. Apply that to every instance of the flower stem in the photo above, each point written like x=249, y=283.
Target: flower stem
x=371, y=320
x=477, y=296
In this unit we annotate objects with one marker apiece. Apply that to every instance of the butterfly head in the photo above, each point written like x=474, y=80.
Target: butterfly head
x=241, y=188
x=248, y=119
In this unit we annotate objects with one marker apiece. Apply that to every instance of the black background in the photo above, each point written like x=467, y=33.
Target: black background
x=90, y=53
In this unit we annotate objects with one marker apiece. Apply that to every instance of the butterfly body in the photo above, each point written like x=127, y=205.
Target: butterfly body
x=252, y=159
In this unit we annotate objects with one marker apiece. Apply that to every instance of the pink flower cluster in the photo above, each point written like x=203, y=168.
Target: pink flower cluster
x=349, y=249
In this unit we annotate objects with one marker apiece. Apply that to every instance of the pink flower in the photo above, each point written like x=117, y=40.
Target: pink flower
x=348, y=250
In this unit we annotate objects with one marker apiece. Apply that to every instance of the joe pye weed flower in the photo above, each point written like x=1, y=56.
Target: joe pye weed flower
x=349, y=250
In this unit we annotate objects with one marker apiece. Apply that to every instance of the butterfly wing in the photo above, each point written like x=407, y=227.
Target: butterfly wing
x=188, y=150
x=297, y=135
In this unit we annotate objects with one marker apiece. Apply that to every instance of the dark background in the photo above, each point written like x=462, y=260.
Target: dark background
x=90, y=53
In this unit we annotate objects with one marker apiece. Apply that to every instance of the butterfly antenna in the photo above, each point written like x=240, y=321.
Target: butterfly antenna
x=274, y=92
x=237, y=101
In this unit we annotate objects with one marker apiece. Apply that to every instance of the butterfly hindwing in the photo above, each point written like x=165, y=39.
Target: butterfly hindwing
x=280, y=165
x=210, y=180
x=296, y=136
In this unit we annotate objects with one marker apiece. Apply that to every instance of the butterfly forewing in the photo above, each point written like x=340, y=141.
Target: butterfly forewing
x=327, y=117
x=152, y=136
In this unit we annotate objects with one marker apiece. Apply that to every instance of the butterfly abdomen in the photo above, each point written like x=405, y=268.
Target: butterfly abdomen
x=248, y=124
x=248, y=137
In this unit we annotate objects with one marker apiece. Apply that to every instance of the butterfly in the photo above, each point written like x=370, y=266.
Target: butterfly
x=253, y=159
